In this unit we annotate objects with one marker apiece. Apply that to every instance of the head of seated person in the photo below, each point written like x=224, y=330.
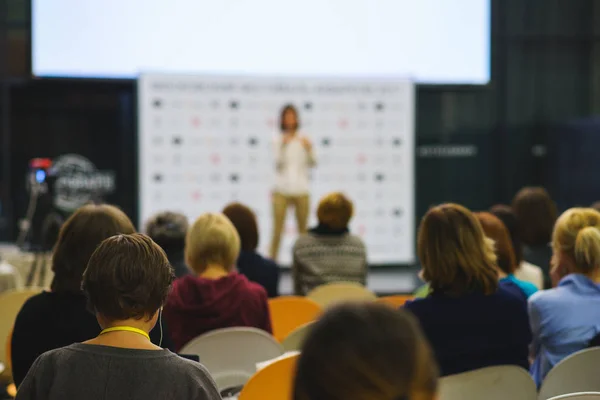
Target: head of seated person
x=168, y=229
x=79, y=237
x=536, y=214
x=334, y=213
x=456, y=256
x=212, y=246
x=345, y=357
x=244, y=221
x=576, y=244
x=250, y=263
x=126, y=283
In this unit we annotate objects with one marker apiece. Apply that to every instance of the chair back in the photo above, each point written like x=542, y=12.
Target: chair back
x=491, y=383
x=273, y=382
x=396, y=301
x=579, y=396
x=295, y=340
x=576, y=373
x=11, y=302
x=231, y=354
x=288, y=313
x=338, y=292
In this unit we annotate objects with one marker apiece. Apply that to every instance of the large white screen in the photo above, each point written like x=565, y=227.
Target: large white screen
x=207, y=141
x=432, y=41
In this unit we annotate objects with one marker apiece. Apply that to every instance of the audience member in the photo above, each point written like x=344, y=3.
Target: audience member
x=216, y=296
x=168, y=230
x=329, y=252
x=506, y=262
x=470, y=319
x=59, y=317
x=255, y=267
x=365, y=351
x=566, y=318
x=536, y=214
x=126, y=283
x=525, y=271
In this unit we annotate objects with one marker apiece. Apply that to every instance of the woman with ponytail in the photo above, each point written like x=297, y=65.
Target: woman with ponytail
x=566, y=318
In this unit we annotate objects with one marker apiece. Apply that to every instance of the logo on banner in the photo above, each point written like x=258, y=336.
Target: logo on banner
x=78, y=182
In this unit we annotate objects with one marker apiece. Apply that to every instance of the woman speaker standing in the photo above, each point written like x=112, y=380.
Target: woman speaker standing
x=294, y=158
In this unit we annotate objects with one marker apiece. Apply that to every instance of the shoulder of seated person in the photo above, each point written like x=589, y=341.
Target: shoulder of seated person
x=546, y=296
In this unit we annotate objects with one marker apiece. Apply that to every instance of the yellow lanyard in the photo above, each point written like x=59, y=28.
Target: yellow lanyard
x=126, y=329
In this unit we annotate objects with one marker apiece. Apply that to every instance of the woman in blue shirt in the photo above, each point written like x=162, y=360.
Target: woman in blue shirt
x=566, y=318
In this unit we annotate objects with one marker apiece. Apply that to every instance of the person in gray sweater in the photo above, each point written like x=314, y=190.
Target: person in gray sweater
x=126, y=282
x=329, y=252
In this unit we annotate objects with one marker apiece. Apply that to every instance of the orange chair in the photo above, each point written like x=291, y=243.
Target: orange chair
x=395, y=301
x=273, y=382
x=288, y=313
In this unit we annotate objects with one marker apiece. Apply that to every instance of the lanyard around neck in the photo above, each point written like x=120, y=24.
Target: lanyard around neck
x=126, y=329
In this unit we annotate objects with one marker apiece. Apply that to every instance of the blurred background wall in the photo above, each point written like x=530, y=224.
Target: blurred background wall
x=476, y=145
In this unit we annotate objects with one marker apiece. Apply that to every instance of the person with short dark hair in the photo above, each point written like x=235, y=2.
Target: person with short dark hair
x=59, y=317
x=216, y=296
x=536, y=214
x=525, y=270
x=168, y=230
x=255, y=267
x=365, y=351
x=126, y=283
x=471, y=320
x=329, y=252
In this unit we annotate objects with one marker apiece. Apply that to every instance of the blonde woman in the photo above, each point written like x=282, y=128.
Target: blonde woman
x=215, y=295
x=566, y=318
x=329, y=252
x=470, y=319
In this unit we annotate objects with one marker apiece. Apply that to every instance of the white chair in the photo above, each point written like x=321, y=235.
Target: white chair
x=338, y=292
x=231, y=354
x=505, y=382
x=576, y=373
x=294, y=341
x=579, y=396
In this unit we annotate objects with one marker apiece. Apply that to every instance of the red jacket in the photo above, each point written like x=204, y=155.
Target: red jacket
x=198, y=305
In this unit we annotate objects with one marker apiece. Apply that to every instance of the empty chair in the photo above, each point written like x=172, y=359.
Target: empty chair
x=294, y=341
x=338, y=292
x=288, y=313
x=11, y=302
x=576, y=373
x=578, y=396
x=491, y=383
x=231, y=354
x=274, y=382
x=395, y=301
